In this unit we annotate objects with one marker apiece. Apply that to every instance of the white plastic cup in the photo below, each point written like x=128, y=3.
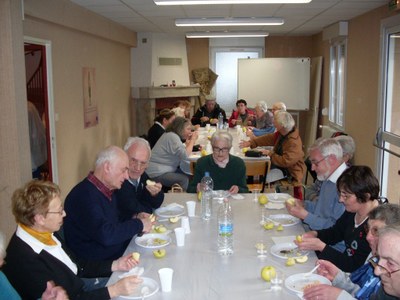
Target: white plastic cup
x=191, y=208
x=185, y=224
x=207, y=126
x=180, y=236
x=165, y=275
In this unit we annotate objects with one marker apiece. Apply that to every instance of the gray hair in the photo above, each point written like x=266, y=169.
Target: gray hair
x=388, y=213
x=262, y=105
x=327, y=147
x=137, y=141
x=390, y=229
x=221, y=135
x=285, y=119
x=2, y=245
x=279, y=106
x=348, y=145
x=108, y=154
x=178, y=125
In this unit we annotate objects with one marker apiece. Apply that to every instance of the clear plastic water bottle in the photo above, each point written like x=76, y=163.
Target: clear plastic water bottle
x=207, y=186
x=220, y=121
x=225, y=229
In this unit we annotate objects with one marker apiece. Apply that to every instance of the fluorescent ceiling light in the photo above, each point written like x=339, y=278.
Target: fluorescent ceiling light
x=206, y=2
x=229, y=21
x=224, y=34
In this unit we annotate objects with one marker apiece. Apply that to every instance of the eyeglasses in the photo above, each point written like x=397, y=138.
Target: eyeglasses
x=138, y=163
x=220, y=150
x=374, y=231
x=382, y=270
x=316, y=163
x=345, y=195
x=61, y=212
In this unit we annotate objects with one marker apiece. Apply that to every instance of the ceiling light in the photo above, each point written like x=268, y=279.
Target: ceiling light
x=225, y=34
x=206, y=2
x=229, y=22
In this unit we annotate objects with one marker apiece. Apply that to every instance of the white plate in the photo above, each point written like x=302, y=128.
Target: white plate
x=286, y=250
x=278, y=197
x=149, y=240
x=284, y=219
x=170, y=211
x=297, y=282
x=150, y=283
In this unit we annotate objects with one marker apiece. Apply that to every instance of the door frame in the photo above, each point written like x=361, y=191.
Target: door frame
x=50, y=103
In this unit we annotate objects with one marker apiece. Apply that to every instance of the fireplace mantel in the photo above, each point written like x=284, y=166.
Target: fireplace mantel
x=169, y=92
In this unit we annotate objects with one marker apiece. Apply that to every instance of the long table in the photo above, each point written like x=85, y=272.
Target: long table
x=201, y=273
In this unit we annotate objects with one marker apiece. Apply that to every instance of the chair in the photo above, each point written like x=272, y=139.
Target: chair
x=258, y=168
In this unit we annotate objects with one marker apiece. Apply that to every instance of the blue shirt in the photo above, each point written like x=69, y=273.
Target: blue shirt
x=7, y=290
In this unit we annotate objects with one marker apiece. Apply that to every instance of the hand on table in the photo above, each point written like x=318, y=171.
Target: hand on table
x=250, y=133
x=54, y=292
x=154, y=189
x=204, y=119
x=321, y=292
x=327, y=269
x=213, y=121
x=311, y=243
x=234, y=189
x=124, y=286
x=297, y=210
x=147, y=223
x=244, y=144
x=124, y=263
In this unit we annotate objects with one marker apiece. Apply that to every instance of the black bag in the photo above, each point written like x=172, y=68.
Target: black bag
x=253, y=153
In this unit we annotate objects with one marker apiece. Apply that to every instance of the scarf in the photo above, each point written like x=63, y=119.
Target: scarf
x=43, y=237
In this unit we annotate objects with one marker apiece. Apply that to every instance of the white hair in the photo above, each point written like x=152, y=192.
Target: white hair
x=348, y=145
x=137, y=141
x=221, y=135
x=279, y=106
x=109, y=154
x=285, y=119
x=327, y=147
x=262, y=105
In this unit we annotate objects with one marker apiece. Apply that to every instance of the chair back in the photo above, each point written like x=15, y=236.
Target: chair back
x=257, y=168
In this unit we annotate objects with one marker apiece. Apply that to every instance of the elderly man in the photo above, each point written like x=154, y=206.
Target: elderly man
x=136, y=195
x=278, y=106
x=92, y=226
x=208, y=113
x=326, y=158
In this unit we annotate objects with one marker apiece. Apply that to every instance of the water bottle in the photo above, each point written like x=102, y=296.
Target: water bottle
x=225, y=229
x=220, y=121
x=207, y=185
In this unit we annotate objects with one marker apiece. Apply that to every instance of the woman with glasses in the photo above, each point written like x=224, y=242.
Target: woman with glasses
x=173, y=147
x=227, y=171
x=359, y=193
x=362, y=283
x=36, y=255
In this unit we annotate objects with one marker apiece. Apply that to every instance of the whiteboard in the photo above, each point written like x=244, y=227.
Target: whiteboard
x=275, y=79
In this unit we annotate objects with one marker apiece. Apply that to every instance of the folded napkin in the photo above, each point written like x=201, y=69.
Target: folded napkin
x=273, y=205
x=173, y=205
x=138, y=271
x=237, y=197
x=283, y=239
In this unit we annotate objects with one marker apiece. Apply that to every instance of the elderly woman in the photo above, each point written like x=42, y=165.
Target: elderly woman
x=287, y=153
x=362, y=283
x=227, y=171
x=35, y=255
x=173, y=147
x=164, y=118
x=52, y=292
x=263, y=122
x=359, y=192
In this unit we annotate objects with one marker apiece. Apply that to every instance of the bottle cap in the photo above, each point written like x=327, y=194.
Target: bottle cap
x=207, y=174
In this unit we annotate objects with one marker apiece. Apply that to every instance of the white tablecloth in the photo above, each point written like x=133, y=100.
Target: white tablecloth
x=201, y=273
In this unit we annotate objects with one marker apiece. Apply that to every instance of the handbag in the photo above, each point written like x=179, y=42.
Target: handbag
x=253, y=153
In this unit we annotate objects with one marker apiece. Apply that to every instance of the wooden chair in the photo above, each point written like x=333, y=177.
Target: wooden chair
x=258, y=168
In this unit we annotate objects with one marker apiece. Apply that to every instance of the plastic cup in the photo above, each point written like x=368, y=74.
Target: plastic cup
x=207, y=126
x=185, y=224
x=191, y=208
x=180, y=236
x=165, y=275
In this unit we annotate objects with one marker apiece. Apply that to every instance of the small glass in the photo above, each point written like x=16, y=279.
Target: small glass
x=277, y=280
x=261, y=248
x=263, y=215
x=256, y=192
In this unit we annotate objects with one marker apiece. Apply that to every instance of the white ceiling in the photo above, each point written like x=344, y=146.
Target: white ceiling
x=300, y=19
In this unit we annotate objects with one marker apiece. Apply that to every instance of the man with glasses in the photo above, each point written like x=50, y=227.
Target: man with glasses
x=387, y=264
x=92, y=227
x=326, y=160
x=136, y=197
x=227, y=171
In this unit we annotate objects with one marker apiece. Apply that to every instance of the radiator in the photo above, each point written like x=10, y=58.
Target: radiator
x=327, y=131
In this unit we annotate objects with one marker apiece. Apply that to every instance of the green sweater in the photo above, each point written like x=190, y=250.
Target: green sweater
x=233, y=174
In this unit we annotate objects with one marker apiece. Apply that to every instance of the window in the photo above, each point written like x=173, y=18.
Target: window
x=337, y=88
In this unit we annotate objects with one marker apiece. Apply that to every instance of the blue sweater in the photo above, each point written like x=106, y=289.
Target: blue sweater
x=92, y=228
x=7, y=292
